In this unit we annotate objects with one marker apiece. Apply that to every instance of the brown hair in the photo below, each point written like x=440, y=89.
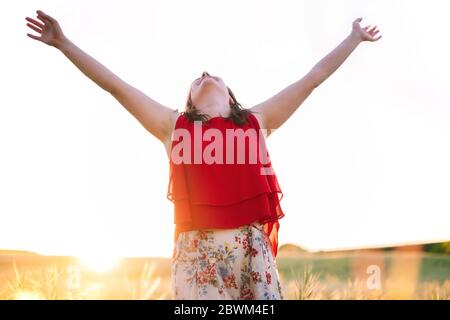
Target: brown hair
x=238, y=113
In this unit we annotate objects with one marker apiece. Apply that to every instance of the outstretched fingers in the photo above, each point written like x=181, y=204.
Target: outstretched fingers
x=37, y=23
x=34, y=28
x=377, y=38
x=373, y=32
x=45, y=21
x=32, y=36
x=45, y=16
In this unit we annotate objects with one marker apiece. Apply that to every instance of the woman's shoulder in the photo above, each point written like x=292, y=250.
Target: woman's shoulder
x=258, y=122
x=177, y=118
x=255, y=120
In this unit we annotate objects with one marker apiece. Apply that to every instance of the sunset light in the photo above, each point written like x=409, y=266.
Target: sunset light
x=28, y=295
x=99, y=263
x=197, y=149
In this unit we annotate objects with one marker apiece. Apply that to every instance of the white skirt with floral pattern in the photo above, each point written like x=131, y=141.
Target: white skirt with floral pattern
x=232, y=264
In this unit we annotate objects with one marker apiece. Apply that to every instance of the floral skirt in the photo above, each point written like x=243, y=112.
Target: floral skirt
x=234, y=264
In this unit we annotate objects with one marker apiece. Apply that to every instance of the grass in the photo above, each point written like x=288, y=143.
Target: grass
x=302, y=276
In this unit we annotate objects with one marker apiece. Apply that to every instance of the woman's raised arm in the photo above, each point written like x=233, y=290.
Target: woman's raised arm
x=155, y=117
x=277, y=109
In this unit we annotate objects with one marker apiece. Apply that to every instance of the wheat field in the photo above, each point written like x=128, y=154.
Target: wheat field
x=356, y=275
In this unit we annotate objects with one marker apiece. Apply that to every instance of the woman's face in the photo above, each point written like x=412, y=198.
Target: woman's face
x=208, y=87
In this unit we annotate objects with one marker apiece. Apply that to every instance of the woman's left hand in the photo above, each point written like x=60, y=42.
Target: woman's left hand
x=364, y=34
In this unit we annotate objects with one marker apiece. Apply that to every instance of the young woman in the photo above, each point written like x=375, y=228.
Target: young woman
x=227, y=206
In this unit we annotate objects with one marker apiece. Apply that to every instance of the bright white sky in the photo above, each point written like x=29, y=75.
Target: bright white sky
x=364, y=161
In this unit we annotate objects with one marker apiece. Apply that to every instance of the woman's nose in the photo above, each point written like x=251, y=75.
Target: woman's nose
x=205, y=73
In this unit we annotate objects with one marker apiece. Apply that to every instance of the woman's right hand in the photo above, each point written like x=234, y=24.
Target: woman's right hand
x=49, y=29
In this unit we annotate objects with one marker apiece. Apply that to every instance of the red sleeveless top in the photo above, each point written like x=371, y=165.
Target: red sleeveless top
x=221, y=177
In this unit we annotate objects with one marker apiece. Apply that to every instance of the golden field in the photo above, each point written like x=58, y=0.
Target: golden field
x=360, y=274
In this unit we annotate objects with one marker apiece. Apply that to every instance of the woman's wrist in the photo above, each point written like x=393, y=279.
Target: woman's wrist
x=355, y=37
x=62, y=44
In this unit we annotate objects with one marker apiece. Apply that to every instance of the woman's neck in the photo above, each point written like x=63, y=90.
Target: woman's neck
x=216, y=112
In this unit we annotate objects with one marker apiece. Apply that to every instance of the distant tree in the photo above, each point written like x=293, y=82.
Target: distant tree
x=290, y=247
x=441, y=247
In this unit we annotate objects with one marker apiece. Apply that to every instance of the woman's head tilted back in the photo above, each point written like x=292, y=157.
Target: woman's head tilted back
x=209, y=96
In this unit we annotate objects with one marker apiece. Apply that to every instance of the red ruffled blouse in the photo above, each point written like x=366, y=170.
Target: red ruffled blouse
x=220, y=177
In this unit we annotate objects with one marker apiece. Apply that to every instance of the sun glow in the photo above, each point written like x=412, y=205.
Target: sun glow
x=28, y=295
x=99, y=263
